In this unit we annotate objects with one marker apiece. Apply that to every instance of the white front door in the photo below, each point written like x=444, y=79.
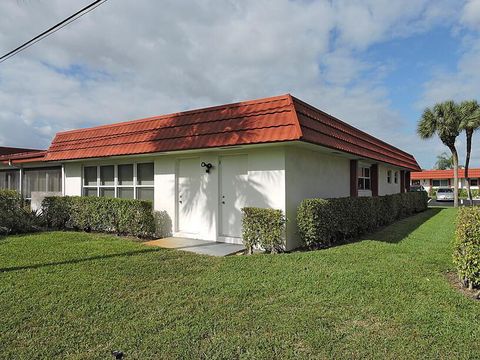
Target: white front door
x=188, y=195
x=233, y=194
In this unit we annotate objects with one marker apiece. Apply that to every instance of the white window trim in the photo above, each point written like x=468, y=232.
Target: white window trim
x=363, y=178
x=115, y=185
x=440, y=182
x=395, y=177
x=389, y=176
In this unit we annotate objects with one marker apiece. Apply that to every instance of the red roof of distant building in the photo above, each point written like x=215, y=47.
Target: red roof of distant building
x=443, y=174
x=6, y=150
x=275, y=119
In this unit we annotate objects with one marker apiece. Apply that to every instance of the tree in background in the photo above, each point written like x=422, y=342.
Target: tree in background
x=444, y=120
x=470, y=111
x=444, y=162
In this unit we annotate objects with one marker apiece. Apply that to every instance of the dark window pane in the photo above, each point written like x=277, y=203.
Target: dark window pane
x=367, y=184
x=125, y=193
x=360, y=184
x=125, y=174
x=3, y=180
x=107, y=175
x=107, y=192
x=90, y=192
x=145, y=174
x=90, y=176
x=366, y=172
x=145, y=194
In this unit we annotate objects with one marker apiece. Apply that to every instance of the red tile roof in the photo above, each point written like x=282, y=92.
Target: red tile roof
x=22, y=156
x=6, y=150
x=275, y=119
x=443, y=174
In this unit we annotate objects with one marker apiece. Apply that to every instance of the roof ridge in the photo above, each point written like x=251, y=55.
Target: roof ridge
x=180, y=113
x=350, y=126
x=251, y=114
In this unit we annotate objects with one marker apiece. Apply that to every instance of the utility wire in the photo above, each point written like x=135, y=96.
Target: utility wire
x=53, y=29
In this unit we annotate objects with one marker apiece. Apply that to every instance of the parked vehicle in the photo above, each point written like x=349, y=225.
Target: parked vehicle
x=445, y=194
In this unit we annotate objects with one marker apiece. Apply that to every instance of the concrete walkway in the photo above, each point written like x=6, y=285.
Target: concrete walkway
x=197, y=246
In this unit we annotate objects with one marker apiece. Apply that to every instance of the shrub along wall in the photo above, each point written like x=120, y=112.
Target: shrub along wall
x=322, y=222
x=263, y=228
x=466, y=253
x=119, y=216
x=15, y=218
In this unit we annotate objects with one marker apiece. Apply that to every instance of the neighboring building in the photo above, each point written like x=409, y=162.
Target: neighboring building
x=202, y=166
x=433, y=179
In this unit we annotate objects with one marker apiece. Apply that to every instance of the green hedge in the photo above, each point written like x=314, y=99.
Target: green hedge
x=264, y=228
x=15, y=218
x=466, y=255
x=99, y=214
x=463, y=193
x=322, y=222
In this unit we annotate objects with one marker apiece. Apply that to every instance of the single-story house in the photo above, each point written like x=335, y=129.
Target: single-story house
x=433, y=179
x=201, y=167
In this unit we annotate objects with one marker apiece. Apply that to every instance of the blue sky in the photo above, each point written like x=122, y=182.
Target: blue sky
x=373, y=63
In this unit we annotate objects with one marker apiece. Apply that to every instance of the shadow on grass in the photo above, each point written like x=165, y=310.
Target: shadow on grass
x=399, y=230
x=75, y=261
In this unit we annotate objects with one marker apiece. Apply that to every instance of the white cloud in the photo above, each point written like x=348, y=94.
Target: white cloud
x=471, y=14
x=130, y=59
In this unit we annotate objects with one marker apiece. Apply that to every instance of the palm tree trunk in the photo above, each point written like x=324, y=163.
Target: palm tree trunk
x=455, y=175
x=467, y=163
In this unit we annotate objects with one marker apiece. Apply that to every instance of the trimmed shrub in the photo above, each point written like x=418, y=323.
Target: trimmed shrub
x=463, y=193
x=15, y=218
x=263, y=228
x=119, y=216
x=466, y=253
x=163, y=224
x=322, y=222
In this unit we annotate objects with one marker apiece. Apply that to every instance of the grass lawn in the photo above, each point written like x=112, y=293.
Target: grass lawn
x=80, y=296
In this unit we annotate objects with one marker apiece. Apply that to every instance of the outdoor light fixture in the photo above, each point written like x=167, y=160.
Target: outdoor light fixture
x=208, y=166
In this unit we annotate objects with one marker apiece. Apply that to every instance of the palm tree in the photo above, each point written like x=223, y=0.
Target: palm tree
x=470, y=111
x=444, y=120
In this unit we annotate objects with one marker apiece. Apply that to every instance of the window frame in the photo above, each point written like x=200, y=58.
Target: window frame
x=395, y=177
x=476, y=180
x=24, y=176
x=11, y=184
x=134, y=186
x=389, y=176
x=362, y=179
x=440, y=183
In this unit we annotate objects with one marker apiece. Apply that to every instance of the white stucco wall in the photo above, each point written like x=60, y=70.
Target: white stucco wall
x=312, y=174
x=385, y=188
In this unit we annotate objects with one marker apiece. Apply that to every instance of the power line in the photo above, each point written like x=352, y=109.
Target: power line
x=53, y=29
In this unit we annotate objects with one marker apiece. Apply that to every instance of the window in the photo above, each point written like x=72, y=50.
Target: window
x=438, y=183
x=396, y=177
x=90, y=181
x=389, y=176
x=364, y=179
x=125, y=181
x=42, y=180
x=10, y=180
x=473, y=182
